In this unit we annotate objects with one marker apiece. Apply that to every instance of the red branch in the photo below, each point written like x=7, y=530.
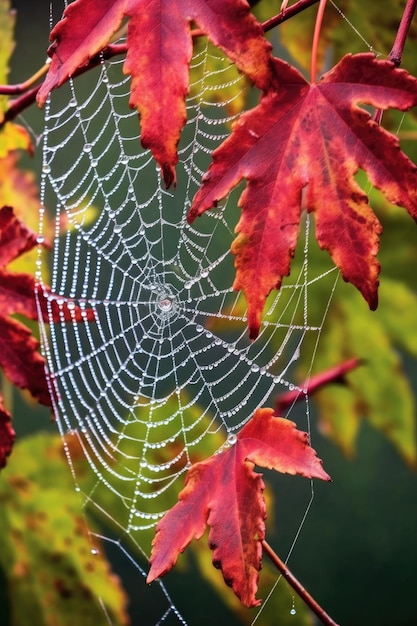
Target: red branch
x=396, y=53
x=334, y=374
x=397, y=50
x=297, y=586
x=28, y=98
x=285, y=15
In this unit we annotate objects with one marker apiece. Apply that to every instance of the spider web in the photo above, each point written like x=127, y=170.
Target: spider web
x=165, y=375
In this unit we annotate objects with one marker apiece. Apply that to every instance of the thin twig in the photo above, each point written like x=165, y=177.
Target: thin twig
x=280, y=17
x=19, y=105
x=396, y=53
x=333, y=375
x=285, y=14
x=297, y=586
x=28, y=98
x=19, y=88
x=397, y=49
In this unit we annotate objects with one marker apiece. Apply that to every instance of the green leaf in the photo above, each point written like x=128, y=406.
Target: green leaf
x=398, y=306
x=378, y=391
x=53, y=577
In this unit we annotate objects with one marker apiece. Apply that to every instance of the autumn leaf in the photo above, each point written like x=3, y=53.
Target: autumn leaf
x=19, y=356
x=313, y=138
x=7, y=434
x=49, y=573
x=159, y=50
x=16, y=238
x=225, y=493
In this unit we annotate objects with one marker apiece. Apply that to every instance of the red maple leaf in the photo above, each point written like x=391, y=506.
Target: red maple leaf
x=225, y=493
x=313, y=136
x=159, y=50
x=7, y=434
x=19, y=350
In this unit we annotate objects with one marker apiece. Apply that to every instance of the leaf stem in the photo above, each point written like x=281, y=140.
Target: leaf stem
x=286, y=13
x=316, y=38
x=297, y=586
x=396, y=53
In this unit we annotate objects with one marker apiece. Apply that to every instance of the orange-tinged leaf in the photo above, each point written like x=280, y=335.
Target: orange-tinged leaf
x=159, y=49
x=314, y=137
x=19, y=355
x=225, y=493
x=14, y=137
x=16, y=238
x=18, y=189
x=20, y=359
x=7, y=434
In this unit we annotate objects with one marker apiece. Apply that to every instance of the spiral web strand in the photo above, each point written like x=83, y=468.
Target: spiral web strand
x=165, y=374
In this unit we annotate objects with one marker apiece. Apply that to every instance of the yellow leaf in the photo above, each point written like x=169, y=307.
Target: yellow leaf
x=14, y=137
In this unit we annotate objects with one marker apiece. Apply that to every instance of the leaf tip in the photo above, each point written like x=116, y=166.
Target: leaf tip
x=169, y=175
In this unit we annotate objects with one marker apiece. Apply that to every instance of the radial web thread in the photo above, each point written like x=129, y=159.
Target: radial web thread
x=165, y=375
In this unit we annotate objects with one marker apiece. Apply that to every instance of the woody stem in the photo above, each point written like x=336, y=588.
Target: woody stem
x=297, y=586
x=396, y=53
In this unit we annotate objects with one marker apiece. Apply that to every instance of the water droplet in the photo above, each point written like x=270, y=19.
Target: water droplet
x=72, y=103
x=46, y=169
x=124, y=159
x=199, y=328
x=231, y=439
x=87, y=147
x=94, y=551
x=40, y=239
x=293, y=611
x=94, y=162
